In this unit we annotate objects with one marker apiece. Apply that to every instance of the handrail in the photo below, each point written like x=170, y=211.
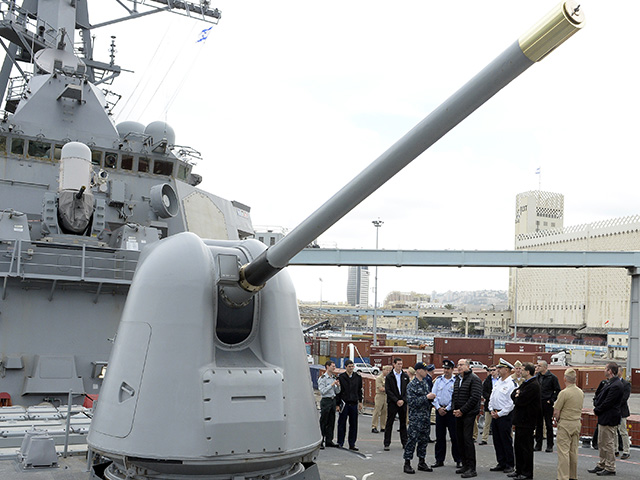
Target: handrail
x=58, y=261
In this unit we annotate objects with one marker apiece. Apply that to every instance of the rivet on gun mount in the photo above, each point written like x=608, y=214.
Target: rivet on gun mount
x=549, y=33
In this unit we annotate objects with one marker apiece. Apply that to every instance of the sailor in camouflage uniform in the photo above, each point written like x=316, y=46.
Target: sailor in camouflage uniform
x=419, y=399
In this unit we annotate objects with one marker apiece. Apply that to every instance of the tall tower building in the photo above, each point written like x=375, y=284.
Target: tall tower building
x=537, y=210
x=358, y=286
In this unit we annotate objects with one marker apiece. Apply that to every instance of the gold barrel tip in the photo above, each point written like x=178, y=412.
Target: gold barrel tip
x=552, y=30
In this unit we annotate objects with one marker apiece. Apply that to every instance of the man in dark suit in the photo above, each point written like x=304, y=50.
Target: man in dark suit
x=526, y=412
x=350, y=403
x=467, y=391
x=395, y=387
x=606, y=405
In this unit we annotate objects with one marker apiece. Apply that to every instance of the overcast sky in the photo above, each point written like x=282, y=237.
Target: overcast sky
x=289, y=100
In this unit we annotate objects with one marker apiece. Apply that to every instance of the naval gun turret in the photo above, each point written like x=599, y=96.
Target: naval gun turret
x=208, y=376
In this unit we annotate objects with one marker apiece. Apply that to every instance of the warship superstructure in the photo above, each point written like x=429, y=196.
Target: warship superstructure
x=80, y=198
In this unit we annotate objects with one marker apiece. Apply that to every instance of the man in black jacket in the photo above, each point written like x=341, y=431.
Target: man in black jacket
x=467, y=391
x=549, y=390
x=526, y=412
x=395, y=386
x=350, y=403
x=606, y=405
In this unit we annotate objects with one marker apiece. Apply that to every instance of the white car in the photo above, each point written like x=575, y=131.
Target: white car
x=366, y=368
x=476, y=364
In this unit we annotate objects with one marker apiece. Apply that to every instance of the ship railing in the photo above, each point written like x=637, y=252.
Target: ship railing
x=32, y=33
x=17, y=88
x=30, y=260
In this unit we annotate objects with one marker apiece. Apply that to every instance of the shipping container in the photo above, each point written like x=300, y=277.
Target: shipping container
x=511, y=347
x=635, y=380
x=325, y=348
x=589, y=422
x=465, y=346
x=437, y=358
x=633, y=425
x=394, y=342
x=589, y=378
x=369, y=336
x=314, y=371
x=381, y=349
x=381, y=359
x=558, y=371
x=340, y=348
x=369, y=389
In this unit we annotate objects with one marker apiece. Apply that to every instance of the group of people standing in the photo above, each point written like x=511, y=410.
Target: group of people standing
x=520, y=401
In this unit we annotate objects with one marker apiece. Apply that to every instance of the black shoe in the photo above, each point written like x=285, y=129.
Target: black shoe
x=386, y=448
x=624, y=456
x=469, y=474
x=407, y=468
x=423, y=467
x=617, y=454
x=509, y=470
x=513, y=475
x=437, y=464
x=461, y=470
x=604, y=473
x=497, y=468
x=354, y=448
x=522, y=477
x=482, y=443
x=537, y=448
x=330, y=444
x=322, y=446
x=458, y=464
x=374, y=430
x=549, y=450
x=595, y=469
x=382, y=430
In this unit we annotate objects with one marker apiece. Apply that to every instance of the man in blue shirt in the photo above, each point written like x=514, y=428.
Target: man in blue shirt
x=443, y=389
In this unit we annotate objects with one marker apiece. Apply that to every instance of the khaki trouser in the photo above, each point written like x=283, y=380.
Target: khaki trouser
x=380, y=411
x=624, y=434
x=487, y=426
x=567, y=440
x=607, y=439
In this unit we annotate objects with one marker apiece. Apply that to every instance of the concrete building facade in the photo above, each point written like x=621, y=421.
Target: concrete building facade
x=582, y=303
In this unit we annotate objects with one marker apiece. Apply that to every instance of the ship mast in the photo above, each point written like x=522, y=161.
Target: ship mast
x=35, y=25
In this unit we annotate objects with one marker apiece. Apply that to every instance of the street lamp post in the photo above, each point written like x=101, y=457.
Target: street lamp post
x=376, y=223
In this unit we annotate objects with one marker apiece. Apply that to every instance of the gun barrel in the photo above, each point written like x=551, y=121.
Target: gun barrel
x=551, y=31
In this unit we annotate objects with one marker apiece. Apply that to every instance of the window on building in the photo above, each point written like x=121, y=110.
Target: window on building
x=162, y=167
x=127, y=162
x=17, y=146
x=96, y=157
x=182, y=171
x=38, y=149
x=143, y=164
x=3, y=144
